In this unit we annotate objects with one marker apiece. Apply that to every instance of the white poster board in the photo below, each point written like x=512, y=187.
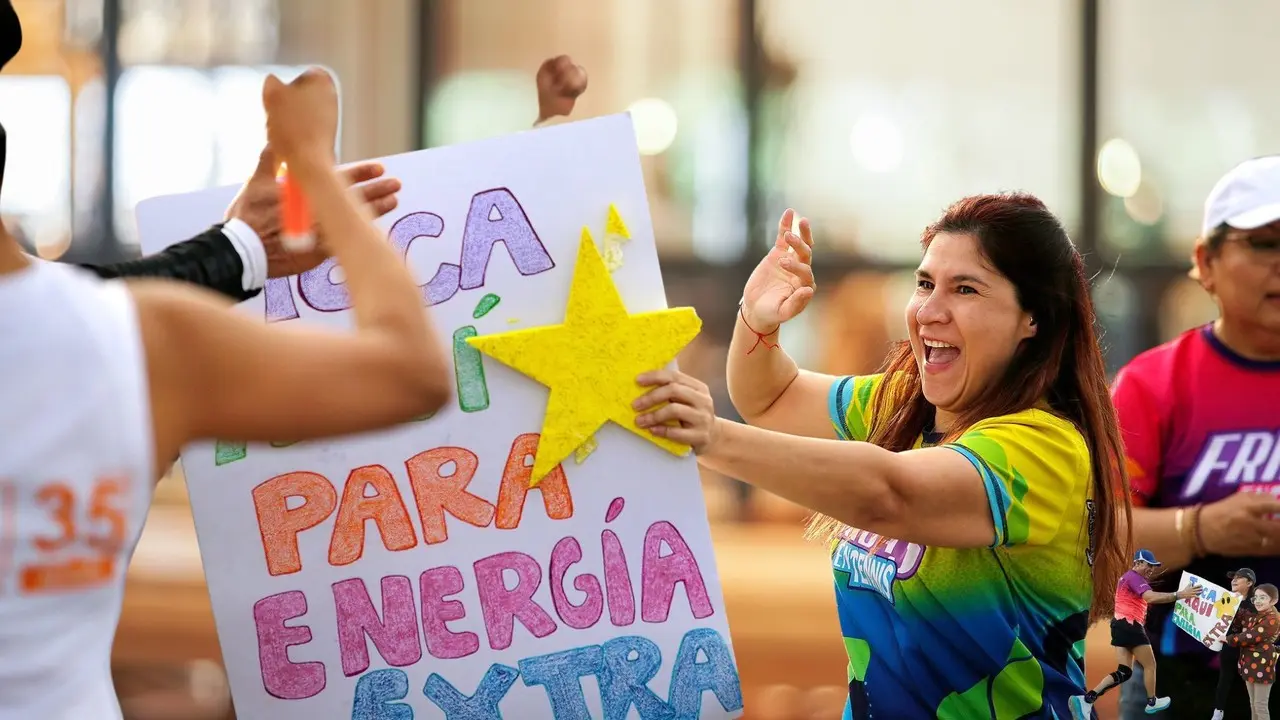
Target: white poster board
x=468, y=595
x=1206, y=617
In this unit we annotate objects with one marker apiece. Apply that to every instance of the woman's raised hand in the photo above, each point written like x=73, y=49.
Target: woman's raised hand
x=782, y=284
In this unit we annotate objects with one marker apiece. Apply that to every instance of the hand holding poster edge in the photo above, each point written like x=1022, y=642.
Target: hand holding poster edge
x=590, y=362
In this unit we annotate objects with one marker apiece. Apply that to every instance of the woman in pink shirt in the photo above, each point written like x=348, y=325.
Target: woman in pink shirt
x=1202, y=433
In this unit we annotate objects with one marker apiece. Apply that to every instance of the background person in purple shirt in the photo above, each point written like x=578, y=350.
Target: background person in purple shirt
x=1202, y=432
x=1129, y=637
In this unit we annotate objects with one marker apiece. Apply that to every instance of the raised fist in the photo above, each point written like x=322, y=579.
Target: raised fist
x=560, y=82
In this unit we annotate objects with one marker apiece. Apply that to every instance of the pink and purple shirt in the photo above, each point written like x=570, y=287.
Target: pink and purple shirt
x=1199, y=423
x=1129, y=603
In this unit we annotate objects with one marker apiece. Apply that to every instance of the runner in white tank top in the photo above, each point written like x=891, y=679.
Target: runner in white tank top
x=102, y=383
x=76, y=473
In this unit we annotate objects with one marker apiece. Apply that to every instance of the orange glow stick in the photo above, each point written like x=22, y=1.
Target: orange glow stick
x=295, y=231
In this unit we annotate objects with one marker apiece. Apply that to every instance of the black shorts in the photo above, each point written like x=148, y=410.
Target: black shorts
x=1128, y=635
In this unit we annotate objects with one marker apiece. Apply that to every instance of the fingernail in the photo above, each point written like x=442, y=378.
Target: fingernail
x=642, y=420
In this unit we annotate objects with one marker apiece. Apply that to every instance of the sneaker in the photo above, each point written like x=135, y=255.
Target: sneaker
x=1217, y=715
x=1161, y=703
x=1081, y=709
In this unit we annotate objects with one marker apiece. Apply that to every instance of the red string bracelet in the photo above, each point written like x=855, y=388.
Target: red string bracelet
x=760, y=337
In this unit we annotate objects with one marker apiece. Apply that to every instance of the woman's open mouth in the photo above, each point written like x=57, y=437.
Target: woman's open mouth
x=939, y=355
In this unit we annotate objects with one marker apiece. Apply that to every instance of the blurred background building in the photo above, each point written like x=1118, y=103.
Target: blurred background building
x=869, y=117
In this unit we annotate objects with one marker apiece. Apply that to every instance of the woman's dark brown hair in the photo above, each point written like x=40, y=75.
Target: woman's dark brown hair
x=1061, y=364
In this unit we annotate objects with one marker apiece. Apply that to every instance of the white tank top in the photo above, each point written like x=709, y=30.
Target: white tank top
x=76, y=480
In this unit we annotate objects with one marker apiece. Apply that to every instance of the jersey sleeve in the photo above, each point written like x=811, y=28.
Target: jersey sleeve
x=1137, y=584
x=849, y=405
x=1142, y=425
x=1035, y=469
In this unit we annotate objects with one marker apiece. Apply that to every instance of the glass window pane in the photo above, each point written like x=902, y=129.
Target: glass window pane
x=42, y=96
x=36, y=113
x=882, y=113
x=181, y=129
x=164, y=32
x=88, y=173
x=672, y=63
x=1186, y=92
x=165, y=128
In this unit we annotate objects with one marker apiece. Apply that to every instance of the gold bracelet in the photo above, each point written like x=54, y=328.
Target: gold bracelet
x=1187, y=525
x=1200, y=549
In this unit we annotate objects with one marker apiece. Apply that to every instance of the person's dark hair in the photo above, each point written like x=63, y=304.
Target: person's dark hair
x=1270, y=590
x=1212, y=241
x=10, y=44
x=1246, y=575
x=10, y=33
x=1062, y=363
x=1215, y=237
x=4, y=142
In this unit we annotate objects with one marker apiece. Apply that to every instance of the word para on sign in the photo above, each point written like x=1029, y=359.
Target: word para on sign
x=468, y=373
x=1184, y=617
x=494, y=216
x=622, y=669
x=438, y=479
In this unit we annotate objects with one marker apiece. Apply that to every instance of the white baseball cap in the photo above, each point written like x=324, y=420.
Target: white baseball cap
x=1245, y=198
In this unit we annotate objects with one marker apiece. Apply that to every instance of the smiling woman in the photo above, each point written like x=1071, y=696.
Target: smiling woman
x=973, y=493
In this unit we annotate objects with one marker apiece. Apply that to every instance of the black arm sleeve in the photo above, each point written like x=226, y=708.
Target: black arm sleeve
x=208, y=259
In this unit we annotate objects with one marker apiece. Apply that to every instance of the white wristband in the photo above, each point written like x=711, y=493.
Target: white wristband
x=252, y=253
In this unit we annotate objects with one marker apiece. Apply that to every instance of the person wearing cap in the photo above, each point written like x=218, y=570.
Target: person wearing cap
x=1201, y=429
x=1243, y=582
x=1129, y=636
x=1255, y=643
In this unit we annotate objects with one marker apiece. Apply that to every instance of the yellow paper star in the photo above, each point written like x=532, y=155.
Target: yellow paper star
x=590, y=363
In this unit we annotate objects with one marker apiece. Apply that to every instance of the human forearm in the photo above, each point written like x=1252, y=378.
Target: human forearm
x=384, y=294
x=208, y=260
x=1159, y=598
x=759, y=371
x=767, y=460
x=1157, y=529
x=860, y=484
